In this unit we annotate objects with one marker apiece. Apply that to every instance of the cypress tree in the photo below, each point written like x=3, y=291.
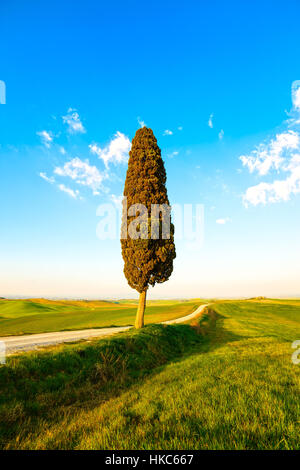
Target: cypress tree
x=147, y=259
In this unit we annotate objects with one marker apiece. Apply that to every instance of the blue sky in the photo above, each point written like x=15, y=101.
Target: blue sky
x=212, y=79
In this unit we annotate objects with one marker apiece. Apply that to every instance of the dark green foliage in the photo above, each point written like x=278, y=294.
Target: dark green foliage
x=146, y=261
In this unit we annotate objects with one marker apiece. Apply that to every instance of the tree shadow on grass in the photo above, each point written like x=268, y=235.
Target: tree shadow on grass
x=212, y=328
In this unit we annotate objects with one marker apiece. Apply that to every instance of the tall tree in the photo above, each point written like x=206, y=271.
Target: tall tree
x=148, y=250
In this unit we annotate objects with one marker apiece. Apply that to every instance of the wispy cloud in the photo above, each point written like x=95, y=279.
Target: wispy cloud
x=73, y=122
x=271, y=154
x=50, y=179
x=296, y=94
x=280, y=153
x=223, y=221
x=173, y=154
x=180, y=128
x=69, y=191
x=82, y=173
x=168, y=132
x=141, y=122
x=221, y=134
x=115, y=152
x=210, y=121
x=46, y=138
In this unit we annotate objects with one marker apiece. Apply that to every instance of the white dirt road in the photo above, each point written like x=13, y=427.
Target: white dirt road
x=15, y=344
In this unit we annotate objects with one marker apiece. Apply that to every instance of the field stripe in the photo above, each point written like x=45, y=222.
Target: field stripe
x=24, y=343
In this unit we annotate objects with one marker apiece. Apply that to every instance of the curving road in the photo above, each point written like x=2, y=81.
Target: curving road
x=14, y=344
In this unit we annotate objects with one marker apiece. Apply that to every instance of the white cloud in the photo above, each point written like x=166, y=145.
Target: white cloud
x=296, y=94
x=62, y=150
x=71, y=192
x=73, y=122
x=168, y=132
x=180, y=128
x=272, y=154
x=115, y=152
x=173, y=154
x=221, y=134
x=278, y=190
x=46, y=138
x=47, y=178
x=210, y=121
x=281, y=154
x=297, y=98
x=223, y=221
x=83, y=173
x=141, y=122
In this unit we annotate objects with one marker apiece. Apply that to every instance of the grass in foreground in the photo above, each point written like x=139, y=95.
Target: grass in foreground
x=39, y=387
x=231, y=386
x=18, y=317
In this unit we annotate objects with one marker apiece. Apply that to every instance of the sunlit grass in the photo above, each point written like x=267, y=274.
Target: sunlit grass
x=229, y=383
x=19, y=317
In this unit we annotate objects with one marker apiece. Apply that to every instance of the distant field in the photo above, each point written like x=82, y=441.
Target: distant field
x=227, y=383
x=18, y=317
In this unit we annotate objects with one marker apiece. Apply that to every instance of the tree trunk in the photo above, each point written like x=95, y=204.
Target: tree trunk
x=139, y=321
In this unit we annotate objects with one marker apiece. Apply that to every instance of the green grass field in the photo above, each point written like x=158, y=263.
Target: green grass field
x=227, y=382
x=18, y=317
